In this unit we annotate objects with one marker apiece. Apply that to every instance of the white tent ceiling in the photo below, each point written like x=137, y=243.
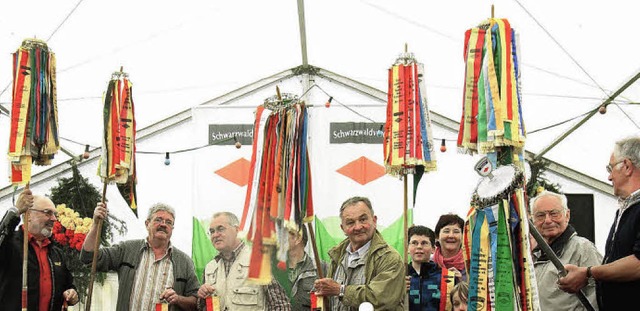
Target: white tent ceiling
x=182, y=53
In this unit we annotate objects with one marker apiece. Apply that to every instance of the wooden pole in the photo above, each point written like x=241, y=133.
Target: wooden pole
x=406, y=223
x=96, y=248
x=314, y=247
x=25, y=256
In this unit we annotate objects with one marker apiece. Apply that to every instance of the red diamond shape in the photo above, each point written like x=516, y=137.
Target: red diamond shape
x=362, y=170
x=236, y=172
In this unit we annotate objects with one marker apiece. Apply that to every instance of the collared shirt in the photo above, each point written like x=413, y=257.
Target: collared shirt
x=350, y=272
x=292, y=273
x=231, y=260
x=353, y=255
x=152, y=278
x=276, y=297
x=45, y=283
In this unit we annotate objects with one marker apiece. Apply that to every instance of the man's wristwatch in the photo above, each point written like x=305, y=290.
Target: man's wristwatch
x=341, y=294
x=589, y=275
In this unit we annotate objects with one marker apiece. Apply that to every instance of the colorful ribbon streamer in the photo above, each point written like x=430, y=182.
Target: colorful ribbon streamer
x=34, y=113
x=408, y=140
x=117, y=161
x=279, y=189
x=492, y=111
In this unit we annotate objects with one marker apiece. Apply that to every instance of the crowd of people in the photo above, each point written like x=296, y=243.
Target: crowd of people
x=363, y=268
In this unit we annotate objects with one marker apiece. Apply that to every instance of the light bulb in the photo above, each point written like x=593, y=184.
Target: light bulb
x=328, y=103
x=167, y=161
x=602, y=109
x=443, y=146
x=85, y=155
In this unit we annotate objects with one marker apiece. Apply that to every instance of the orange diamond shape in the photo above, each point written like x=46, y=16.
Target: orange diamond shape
x=362, y=170
x=236, y=172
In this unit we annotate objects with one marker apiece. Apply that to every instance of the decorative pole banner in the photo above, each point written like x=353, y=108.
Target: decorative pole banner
x=33, y=130
x=408, y=140
x=496, y=242
x=279, y=189
x=34, y=111
x=491, y=110
x=117, y=162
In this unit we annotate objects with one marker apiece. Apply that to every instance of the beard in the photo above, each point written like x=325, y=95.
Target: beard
x=46, y=231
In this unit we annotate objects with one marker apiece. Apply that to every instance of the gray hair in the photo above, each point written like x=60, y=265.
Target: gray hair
x=628, y=148
x=160, y=207
x=356, y=200
x=561, y=197
x=233, y=219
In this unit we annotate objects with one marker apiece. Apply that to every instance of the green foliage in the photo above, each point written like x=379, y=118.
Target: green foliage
x=538, y=181
x=81, y=196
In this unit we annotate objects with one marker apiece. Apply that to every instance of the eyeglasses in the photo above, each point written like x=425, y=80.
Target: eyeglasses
x=47, y=212
x=220, y=229
x=159, y=221
x=611, y=166
x=554, y=214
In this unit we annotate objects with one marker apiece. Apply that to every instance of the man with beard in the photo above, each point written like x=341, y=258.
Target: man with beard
x=618, y=277
x=364, y=268
x=551, y=217
x=48, y=278
x=149, y=270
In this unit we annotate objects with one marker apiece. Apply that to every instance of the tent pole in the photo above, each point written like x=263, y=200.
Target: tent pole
x=588, y=116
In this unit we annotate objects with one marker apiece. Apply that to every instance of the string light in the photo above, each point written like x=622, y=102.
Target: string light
x=238, y=144
x=328, y=103
x=443, y=146
x=167, y=161
x=86, y=154
x=380, y=132
x=602, y=109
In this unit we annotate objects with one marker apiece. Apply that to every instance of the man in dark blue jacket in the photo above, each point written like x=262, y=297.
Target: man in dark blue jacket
x=618, y=278
x=49, y=281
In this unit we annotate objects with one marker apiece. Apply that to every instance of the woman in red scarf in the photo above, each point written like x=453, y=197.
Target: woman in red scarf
x=448, y=252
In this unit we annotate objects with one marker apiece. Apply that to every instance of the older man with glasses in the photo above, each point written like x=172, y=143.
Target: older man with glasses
x=618, y=278
x=551, y=217
x=226, y=275
x=49, y=281
x=149, y=270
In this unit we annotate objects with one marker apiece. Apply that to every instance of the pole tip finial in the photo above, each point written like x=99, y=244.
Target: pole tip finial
x=492, y=11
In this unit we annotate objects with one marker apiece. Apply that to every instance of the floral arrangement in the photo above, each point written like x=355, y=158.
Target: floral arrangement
x=70, y=229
